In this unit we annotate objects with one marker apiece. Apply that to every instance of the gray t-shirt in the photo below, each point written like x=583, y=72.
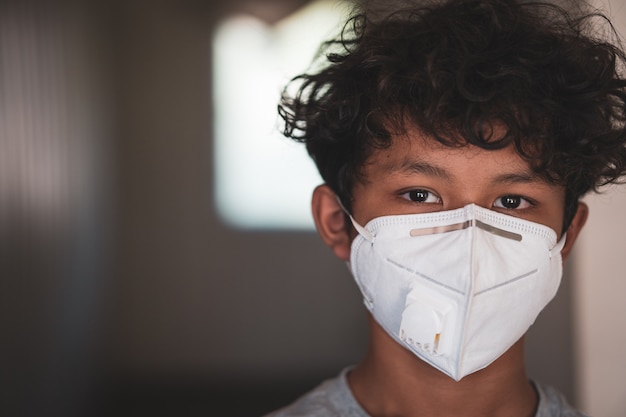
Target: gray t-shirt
x=333, y=398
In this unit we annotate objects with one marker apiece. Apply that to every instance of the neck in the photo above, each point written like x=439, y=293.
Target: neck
x=391, y=381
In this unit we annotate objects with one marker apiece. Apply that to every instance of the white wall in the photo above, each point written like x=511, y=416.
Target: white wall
x=600, y=286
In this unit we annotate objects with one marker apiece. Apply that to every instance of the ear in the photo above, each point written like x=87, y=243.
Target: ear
x=330, y=221
x=579, y=220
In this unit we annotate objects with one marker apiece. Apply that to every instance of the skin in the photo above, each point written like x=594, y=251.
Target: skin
x=416, y=174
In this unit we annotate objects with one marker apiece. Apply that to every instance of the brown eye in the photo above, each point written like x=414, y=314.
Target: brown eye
x=512, y=202
x=420, y=195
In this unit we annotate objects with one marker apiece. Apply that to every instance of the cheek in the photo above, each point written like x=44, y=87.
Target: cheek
x=555, y=218
x=551, y=211
x=367, y=205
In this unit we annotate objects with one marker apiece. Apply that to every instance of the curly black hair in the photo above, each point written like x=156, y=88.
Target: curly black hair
x=550, y=78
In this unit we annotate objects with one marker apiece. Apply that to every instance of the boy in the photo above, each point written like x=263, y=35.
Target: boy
x=455, y=140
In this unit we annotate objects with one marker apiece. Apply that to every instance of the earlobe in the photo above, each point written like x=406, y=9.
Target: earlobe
x=330, y=221
x=579, y=220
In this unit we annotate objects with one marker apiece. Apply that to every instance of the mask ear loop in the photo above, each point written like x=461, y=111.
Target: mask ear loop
x=559, y=245
x=369, y=303
x=362, y=230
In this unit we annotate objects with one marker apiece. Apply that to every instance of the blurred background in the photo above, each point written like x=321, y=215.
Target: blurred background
x=156, y=254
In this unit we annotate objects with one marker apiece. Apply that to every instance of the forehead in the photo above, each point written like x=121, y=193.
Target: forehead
x=416, y=152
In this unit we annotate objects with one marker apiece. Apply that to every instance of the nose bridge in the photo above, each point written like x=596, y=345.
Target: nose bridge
x=467, y=194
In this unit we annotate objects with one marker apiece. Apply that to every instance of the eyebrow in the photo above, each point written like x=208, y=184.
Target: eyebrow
x=425, y=168
x=419, y=167
x=522, y=177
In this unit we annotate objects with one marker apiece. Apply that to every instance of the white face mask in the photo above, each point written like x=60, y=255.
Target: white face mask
x=457, y=288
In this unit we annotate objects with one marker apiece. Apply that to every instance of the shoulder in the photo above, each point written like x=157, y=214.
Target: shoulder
x=553, y=404
x=332, y=398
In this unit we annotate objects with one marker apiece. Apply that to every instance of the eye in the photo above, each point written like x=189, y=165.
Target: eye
x=419, y=195
x=512, y=202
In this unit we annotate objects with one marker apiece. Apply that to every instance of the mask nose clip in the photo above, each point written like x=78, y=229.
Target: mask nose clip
x=464, y=225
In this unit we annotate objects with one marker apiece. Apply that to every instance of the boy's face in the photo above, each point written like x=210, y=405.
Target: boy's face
x=417, y=174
